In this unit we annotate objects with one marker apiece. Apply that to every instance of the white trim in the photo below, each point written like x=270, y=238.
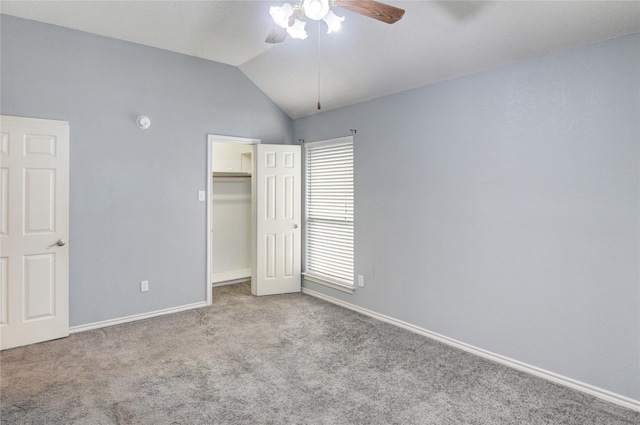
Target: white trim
x=231, y=282
x=603, y=394
x=211, y=138
x=231, y=275
x=135, y=317
x=232, y=139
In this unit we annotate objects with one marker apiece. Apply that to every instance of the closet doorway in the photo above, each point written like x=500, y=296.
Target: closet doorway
x=253, y=210
x=231, y=225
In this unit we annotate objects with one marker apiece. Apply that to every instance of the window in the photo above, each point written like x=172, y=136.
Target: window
x=329, y=213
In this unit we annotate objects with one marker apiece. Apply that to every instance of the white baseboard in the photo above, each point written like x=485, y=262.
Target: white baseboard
x=618, y=399
x=231, y=275
x=135, y=317
x=231, y=282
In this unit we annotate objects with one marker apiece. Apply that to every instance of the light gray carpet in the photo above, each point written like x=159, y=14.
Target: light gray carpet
x=288, y=359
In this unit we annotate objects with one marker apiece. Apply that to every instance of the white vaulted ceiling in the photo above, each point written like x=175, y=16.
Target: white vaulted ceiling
x=434, y=41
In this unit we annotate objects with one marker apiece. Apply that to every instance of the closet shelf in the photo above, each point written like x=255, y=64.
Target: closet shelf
x=231, y=174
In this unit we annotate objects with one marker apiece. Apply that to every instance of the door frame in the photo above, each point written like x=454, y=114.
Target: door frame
x=212, y=138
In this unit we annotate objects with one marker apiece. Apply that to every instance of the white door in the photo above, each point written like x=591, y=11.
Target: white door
x=34, y=227
x=277, y=203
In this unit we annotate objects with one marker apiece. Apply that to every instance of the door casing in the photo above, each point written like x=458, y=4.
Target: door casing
x=211, y=139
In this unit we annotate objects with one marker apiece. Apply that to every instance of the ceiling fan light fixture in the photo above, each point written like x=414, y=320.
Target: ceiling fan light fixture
x=316, y=9
x=333, y=21
x=297, y=30
x=301, y=10
x=281, y=14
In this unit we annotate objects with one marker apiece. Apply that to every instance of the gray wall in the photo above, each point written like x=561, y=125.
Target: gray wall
x=134, y=212
x=502, y=209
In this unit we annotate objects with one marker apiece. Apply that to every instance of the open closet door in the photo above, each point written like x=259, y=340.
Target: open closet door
x=277, y=203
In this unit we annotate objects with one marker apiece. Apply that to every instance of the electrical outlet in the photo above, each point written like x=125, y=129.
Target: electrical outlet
x=360, y=280
x=144, y=285
x=201, y=196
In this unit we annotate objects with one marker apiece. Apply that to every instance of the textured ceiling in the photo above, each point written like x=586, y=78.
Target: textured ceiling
x=434, y=41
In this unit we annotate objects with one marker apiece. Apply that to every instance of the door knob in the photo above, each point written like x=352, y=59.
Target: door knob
x=59, y=242
x=295, y=226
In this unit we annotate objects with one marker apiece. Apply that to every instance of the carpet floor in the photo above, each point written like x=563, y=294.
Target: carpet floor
x=287, y=359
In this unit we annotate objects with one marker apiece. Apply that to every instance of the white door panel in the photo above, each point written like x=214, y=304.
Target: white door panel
x=34, y=270
x=277, y=192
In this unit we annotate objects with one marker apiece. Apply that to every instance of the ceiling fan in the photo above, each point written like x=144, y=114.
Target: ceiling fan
x=290, y=18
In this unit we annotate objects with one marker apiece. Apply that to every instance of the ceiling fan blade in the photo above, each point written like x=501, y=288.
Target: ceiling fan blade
x=372, y=9
x=277, y=35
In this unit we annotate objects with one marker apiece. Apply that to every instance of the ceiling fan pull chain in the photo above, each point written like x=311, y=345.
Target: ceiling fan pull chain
x=319, y=66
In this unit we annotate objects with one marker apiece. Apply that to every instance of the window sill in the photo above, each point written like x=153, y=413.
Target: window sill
x=329, y=283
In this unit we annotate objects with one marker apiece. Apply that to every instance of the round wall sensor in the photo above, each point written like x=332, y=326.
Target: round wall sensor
x=143, y=122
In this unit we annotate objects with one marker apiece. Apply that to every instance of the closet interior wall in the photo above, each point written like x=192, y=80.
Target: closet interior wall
x=231, y=213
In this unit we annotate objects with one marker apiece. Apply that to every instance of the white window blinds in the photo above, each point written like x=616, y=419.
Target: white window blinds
x=329, y=210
